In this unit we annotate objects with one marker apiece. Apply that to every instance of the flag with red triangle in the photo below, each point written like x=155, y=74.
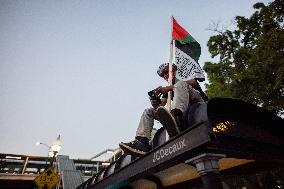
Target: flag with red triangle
x=187, y=53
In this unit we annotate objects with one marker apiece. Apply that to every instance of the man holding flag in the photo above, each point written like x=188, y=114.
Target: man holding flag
x=182, y=77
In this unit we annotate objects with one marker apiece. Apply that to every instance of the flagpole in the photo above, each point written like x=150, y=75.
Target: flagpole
x=170, y=79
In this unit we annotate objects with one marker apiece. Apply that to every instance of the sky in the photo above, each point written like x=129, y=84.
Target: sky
x=82, y=69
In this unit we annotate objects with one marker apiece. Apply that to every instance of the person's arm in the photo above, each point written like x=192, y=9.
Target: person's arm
x=191, y=82
x=166, y=89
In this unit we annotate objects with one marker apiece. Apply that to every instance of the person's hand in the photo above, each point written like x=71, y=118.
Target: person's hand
x=161, y=89
x=154, y=102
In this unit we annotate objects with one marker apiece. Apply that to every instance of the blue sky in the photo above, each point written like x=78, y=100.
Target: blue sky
x=82, y=69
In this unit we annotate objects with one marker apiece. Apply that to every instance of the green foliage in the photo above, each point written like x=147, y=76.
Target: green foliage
x=251, y=59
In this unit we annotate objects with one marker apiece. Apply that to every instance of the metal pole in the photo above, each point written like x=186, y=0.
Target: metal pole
x=53, y=158
x=208, y=168
x=25, y=165
x=97, y=167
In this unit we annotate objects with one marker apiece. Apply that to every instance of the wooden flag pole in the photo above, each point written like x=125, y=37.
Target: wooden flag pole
x=170, y=79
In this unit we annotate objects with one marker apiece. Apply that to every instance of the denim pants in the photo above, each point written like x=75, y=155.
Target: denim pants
x=184, y=96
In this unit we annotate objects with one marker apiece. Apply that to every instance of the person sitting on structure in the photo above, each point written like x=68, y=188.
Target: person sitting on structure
x=185, y=93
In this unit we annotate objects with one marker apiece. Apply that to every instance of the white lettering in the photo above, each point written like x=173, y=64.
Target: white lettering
x=158, y=155
x=183, y=143
x=154, y=158
x=175, y=147
x=170, y=150
x=164, y=152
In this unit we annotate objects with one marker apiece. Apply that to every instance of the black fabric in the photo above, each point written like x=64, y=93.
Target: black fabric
x=202, y=94
x=186, y=48
x=144, y=140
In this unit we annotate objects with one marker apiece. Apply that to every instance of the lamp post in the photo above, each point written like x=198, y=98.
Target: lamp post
x=53, y=149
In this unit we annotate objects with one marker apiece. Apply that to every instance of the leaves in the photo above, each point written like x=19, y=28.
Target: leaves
x=251, y=59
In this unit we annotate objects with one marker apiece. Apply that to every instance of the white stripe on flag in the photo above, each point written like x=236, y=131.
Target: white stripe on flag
x=187, y=68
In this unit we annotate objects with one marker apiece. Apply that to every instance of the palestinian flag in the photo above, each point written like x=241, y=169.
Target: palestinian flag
x=187, y=53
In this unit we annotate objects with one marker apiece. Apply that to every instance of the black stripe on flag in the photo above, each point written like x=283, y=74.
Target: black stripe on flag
x=187, y=67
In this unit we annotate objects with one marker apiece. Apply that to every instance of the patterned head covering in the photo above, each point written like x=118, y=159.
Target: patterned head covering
x=164, y=67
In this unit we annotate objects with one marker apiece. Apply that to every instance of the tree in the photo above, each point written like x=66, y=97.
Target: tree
x=251, y=59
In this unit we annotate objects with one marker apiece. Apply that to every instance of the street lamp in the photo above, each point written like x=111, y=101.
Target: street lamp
x=54, y=148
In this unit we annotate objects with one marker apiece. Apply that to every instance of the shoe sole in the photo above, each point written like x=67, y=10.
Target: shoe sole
x=168, y=121
x=131, y=151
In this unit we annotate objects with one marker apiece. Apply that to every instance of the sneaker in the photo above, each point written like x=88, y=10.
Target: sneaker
x=135, y=148
x=168, y=120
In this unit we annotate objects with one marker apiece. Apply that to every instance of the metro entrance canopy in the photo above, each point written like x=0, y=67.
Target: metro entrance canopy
x=220, y=136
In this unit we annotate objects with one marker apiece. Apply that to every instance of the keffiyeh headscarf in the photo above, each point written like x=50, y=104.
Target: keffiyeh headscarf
x=164, y=67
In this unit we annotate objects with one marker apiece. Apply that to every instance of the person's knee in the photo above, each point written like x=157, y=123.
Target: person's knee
x=150, y=112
